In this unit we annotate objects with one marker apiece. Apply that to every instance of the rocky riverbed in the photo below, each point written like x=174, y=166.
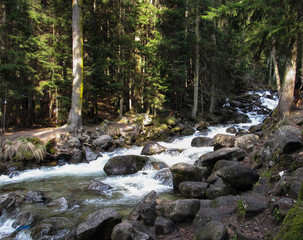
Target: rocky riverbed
x=242, y=190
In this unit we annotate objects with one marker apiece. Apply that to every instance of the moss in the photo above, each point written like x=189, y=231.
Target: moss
x=241, y=209
x=50, y=146
x=300, y=194
x=292, y=226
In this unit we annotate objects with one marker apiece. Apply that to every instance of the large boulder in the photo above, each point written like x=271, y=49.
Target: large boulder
x=202, y=142
x=151, y=148
x=123, y=165
x=103, y=142
x=130, y=133
x=209, y=159
x=132, y=230
x=212, y=231
x=145, y=209
x=164, y=226
x=246, y=142
x=238, y=176
x=183, y=172
x=296, y=182
x=223, y=140
x=205, y=215
x=192, y=189
x=90, y=155
x=98, y=225
x=254, y=204
x=74, y=142
x=181, y=210
x=219, y=188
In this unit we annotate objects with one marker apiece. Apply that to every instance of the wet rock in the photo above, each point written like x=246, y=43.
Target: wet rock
x=165, y=176
x=61, y=203
x=9, y=201
x=181, y=210
x=223, y=140
x=74, y=142
x=202, y=142
x=98, y=187
x=209, y=159
x=104, y=142
x=232, y=130
x=76, y=156
x=238, y=176
x=127, y=164
x=35, y=197
x=132, y=230
x=219, y=188
x=164, y=226
x=188, y=131
x=212, y=231
x=246, y=142
x=90, y=155
x=23, y=219
x=98, y=225
x=193, y=189
x=159, y=165
x=145, y=209
x=183, y=172
x=205, y=215
x=151, y=148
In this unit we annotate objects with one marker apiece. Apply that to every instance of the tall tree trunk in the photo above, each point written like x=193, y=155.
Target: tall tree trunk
x=287, y=92
x=197, y=63
x=75, y=114
x=276, y=68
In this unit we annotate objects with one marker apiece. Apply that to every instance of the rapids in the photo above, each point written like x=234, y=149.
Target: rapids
x=66, y=184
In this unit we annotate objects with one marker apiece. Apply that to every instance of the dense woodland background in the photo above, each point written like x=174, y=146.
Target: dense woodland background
x=142, y=55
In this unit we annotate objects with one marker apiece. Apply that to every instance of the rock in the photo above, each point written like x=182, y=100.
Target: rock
x=127, y=164
x=193, y=189
x=35, y=197
x=202, y=142
x=104, y=142
x=90, y=155
x=10, y=201
x=238, y=176
x=171, y=121
x=159, y=165
x=246, y=142
x=98, y=187
x=23, y=219
x=232, y=130
x=98, y=225
x=145, y=209
x=132, y=230
x=209, y=159
x=130, y=133
x=151, y=148
x=296, y=182
x=178, y=128
x=58, y=228
x=164, y=226
x=281, y=207
x=3, y=168
x=227, y=204
x=165, y=176
x=285, y=140
x=256, y=128
x=205, y=215
x=76, y=156
x=223, y=163
x=219, y=188
x=183, y=172
x=254, y=204
x=181, y=210
x=223, y=140
x=188, y=131
x=161, y=206
x=74, y=142
x=212, y=231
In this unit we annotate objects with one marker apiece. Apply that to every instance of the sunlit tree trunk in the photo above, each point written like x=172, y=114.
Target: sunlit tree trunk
x=197, y=63
x=276, y=68
x=75, y=114
x=287, y=92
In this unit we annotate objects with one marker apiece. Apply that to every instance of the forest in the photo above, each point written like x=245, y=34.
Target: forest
x=143, y=56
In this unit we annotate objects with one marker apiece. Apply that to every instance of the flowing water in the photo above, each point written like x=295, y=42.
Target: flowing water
x=67, y=184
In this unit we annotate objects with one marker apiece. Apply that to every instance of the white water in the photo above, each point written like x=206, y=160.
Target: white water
x=126, y=190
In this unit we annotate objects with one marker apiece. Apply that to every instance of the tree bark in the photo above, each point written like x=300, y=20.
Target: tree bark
x=276, y=69
x=75, y=114
x=287, y=92
x=197, y=63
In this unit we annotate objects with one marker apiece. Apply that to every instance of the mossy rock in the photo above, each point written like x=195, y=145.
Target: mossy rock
x=292, y=227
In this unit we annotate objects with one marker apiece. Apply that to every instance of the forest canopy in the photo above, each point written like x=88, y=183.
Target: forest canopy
x=141, y=55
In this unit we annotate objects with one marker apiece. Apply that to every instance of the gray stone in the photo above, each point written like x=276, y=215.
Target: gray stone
x=98, y=225
x=181, y=210
x=219, y=188
x=74, y=143
x=202, y=142
x=104, y=141
x=246, y=142
x=212, y=231
x=296, y=182
x=164, y=226
x=193, y=189
x=223, y=140
x=205, y=215
x=151, y=148
x=123, y=165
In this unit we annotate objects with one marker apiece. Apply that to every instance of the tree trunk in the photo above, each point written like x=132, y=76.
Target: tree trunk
x=287, y=92
x=276, y=69
x=197, y=63
x=75, y=114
